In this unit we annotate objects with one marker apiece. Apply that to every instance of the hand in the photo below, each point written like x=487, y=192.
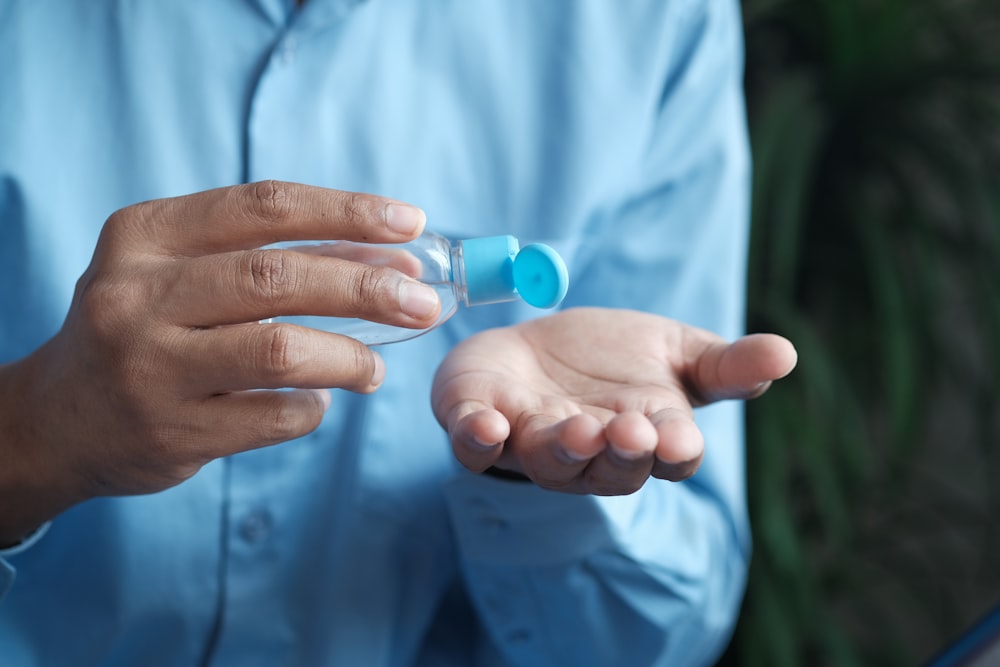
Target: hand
x=594, y=400
x=163, y=365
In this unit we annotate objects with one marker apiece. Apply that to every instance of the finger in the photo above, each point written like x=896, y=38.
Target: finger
x=554, y=452
x=739, y=370
x=631, y=435
x=271, y=356
x=397, y=257
x=252, y=285
x=477, y=434
x=627, y=461
x=255, y=214
x=680, y=445
x=254, y=419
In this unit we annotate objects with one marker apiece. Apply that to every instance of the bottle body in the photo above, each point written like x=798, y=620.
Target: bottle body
x=476, y=271
x=430, y=258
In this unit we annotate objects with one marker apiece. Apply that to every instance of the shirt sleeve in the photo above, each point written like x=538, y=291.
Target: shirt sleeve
x=654, y=578
x=7, y=571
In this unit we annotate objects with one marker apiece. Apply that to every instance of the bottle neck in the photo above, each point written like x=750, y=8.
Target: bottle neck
x=458, y=277
x=484, y=269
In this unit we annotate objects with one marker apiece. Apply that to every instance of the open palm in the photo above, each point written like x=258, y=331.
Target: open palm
x=595, y=400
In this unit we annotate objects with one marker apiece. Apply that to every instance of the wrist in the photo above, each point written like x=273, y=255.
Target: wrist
x=35, y=485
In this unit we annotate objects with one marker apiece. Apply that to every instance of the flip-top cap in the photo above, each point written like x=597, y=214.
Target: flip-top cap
x=489, y=269
x=496, y=269
x=540, y=276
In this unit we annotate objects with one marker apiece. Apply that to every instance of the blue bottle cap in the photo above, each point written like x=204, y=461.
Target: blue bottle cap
x=540, y=276
x=497, y=270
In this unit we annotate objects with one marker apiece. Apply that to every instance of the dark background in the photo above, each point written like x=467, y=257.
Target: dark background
x=874, y=469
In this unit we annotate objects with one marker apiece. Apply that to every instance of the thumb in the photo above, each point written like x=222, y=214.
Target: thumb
x=743, y=369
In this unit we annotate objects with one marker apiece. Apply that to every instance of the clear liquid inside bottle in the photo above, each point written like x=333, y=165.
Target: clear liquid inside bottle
x=471, y=272
x=430, y=258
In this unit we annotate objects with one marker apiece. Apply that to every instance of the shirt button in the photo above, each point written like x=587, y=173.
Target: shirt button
x=256, y=526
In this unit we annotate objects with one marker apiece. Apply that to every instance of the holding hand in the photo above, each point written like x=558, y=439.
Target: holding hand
x=595, y=400
x=163, y=365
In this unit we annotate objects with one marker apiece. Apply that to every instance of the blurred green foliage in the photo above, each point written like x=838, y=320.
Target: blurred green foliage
x=874, y=470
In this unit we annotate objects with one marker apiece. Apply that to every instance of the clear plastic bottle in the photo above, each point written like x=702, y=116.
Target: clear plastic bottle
x=471, y=272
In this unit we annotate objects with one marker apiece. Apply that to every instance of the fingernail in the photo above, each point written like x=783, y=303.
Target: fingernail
x=379, y=373
x=572, y=457
x=676, y=472
x=417, y=300
x=484, y=446
x=627, y=456
x=404, y=219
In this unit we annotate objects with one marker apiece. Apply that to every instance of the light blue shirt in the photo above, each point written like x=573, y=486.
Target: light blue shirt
x=614, y=131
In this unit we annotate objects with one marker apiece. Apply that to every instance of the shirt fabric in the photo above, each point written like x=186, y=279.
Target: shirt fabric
x=613, y=131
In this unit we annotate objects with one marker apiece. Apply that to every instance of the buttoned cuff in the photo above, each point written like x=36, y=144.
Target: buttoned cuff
x=7, y=571
x=28, y=542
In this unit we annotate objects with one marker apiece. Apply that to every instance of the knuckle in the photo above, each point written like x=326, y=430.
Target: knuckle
x=268, y=201
x=279, y=352
x=282, y=420
x=118, y=221
x=126, y=222
x=372, y=285
x=108, y=308
x=362, y=364
x=357, y=208
x=270, y=275
x=111, y=318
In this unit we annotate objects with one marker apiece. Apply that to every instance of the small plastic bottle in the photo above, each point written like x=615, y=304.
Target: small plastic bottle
x=472, y=272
